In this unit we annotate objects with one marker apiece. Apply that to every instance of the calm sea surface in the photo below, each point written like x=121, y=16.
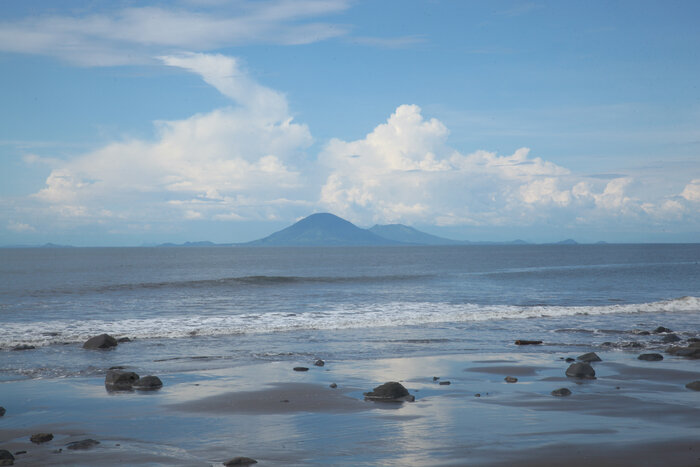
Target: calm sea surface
x=194, y=308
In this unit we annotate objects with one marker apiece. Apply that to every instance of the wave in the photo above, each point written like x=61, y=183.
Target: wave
x=229, y=282
x=339, y=317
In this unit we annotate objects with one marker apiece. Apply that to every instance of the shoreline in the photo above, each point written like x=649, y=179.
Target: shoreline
x=634, y=413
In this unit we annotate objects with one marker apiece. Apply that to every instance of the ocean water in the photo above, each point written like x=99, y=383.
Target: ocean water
x=214, y=307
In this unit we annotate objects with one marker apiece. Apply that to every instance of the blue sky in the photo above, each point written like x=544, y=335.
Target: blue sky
x=126, y=123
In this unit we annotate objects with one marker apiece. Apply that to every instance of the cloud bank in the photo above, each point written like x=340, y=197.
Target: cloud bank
x=249, y=161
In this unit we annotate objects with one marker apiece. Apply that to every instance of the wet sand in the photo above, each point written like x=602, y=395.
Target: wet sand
x=635, y=413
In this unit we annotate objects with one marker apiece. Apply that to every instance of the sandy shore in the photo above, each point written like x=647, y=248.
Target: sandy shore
x=635, y=413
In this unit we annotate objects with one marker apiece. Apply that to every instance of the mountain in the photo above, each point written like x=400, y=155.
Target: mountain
x=323, y=229
x=405, y=234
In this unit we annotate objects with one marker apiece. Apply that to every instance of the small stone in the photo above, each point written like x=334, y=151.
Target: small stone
x=39, y=438
x=300, y=368
x=286, y=401
x=23, y=347
x=148, y=383
x=668, y=338
x=389, y=392
x=651, y=357
x=435, y=378
x=580, y=370
x=240, y=461
x=6, y=457
x=561, y=392
x=82, y=444
x=527, y=342
x=511, y=379
x=570, y=360
x=103, y=341
x=477, y=395
x=589, y=357
x=319, y=362
x=2, y=411
x=120, y=380
x=695, y=385
x=121, y=340
x=444, y=383
x=661, y=329
x=333, y=386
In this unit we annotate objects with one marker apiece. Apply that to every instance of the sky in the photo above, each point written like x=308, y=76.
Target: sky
x=132, y=123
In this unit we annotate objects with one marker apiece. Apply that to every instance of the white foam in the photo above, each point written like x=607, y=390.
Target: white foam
x=340, y=317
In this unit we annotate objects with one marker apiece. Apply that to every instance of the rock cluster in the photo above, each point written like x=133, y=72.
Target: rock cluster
x=121, y=380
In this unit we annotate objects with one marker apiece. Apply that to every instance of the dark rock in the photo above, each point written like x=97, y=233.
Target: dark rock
x=23, y=347
x=103, y=341
x=511, y=379
x=118, y=367
x=689, y=352
x=444, y=383
x=661, y=329
x=435, y=378
x=240, y=461
x=570, y=360
x=120, y=380
x=300, y=368
x=121, y=340
x=589, y=357
x=694, y=339
x=642, y=333
x=39, y=438
x=667, y=339
x=561, y=392
x=580, y=370
x=6, y=457
x=319, y=362
x=527, y=342
x=389, y=392
x=333, y=386
x=19, y=453
x=82, y=444
x=651, y=357
x=2, y=411
x=148, y=383
x=695, y=385
x=693, y=344
x=477, y=395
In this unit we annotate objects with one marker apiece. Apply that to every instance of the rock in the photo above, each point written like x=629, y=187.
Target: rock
x=661, y=329
x=695, y=385
x=333, y=386
x=694, y=339
x=570, y=360
x=103, y=341
x=435, y=378
x=6, y=457
x=561, y=392
x=511, y=379
x=82, y=444
x=319, y=362
x=589, y=357
x=477, y=395
x=651, y=357
x=121, y=340
x=667, y=339
x=642, y=333
x=23, y=347
x=300, y=368
x=527, y=342
x=19, y=453
x=2, y=411
x=444, y=383
x=389, y=392
x=120, y=380
x=689, y=352
x=240, y=461
x=39, y=438
x=148, y=383
x=580, y=370
x=693, y=344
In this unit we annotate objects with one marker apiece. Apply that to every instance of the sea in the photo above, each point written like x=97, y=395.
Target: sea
x=203, y=308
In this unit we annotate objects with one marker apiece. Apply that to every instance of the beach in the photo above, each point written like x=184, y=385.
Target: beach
x=224, y=330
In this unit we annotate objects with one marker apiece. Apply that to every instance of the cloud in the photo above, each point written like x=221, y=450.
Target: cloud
x=691, y=192
x=20, y=227
x=404, y=171
x=230, y=162
x=134, y=35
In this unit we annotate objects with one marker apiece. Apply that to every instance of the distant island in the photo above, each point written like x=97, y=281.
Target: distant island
x=325, y=229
